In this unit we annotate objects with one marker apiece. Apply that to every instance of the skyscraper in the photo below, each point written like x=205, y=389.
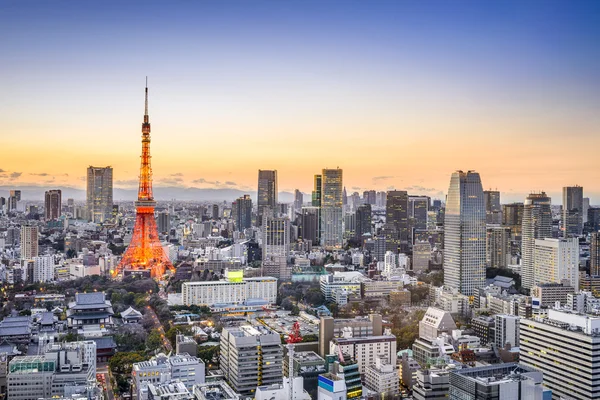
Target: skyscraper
x=53, y=201
x=331, y=208
x=316, y=194
x=242, y=212
x=13, y=200
x=396, y=221
x=595, y=254
x=267, y=192
x=298, y=200
x=537, y=224
x=556, y=260
x=498, y=246
x=311, y=217
x=99, y=193
x=145, y=253
x=29, y=242
x=363, y=221
x=464, y=233
x=572, y=212
x=418, y=209
x=512, y=216
x=493, y=209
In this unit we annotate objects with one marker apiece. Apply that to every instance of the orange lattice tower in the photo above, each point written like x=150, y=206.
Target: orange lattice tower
x=145, y=252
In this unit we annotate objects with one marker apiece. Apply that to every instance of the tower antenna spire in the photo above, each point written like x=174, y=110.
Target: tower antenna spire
x=146, y=108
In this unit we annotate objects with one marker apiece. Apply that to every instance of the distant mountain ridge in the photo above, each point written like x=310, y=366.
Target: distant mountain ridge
x=162, y=193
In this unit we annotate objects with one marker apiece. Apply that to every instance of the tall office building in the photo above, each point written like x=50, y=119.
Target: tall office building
x=370, y=197
x=512, y=216
x=331, y=208
x=418, y=210
x=99, y=193
x=572, y=211
x=595, y=254
x=310, y=222
x=242, y=212
x=163, y=222
x=250, y=357
x=537, y=224
x=363, y=221
x=498, y=253
x=298, y=200
x=52, y=204
x=464, y=233
x=316, y=193
x=586, y=207
x=267, y=193
x=556, y=260
x=276, y=246
x=493, y=209
x=396, y=221
x=564, y=346
x=29, y=242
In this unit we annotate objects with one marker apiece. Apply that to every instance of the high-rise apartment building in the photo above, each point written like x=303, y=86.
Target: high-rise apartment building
x=267, y=193
x=242, y=212
x=251, y=356
x=276, y=247
x=572, y=211
x=537, y=224
x=595, y=254
x=498, y=246
x=99, y=193
x=556, y=260
x=29, y=242
x=396, y=221
x=565, y=347
x=464, y=233
x=52, y=204
x=493, y=209
x=331, y=208
x=506, y=330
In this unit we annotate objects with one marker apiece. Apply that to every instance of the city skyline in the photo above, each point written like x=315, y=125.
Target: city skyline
x=414, y=86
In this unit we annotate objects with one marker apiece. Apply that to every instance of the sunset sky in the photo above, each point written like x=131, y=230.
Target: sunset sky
x=397, y=93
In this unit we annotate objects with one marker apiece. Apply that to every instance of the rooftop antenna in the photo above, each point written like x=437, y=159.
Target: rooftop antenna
x=146, y=108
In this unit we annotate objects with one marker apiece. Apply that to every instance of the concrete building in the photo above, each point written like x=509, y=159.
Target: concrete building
x=565, y=347
x=595, y=254
x=55, y=373
x=333, y=286
x=43, y=269
x=215, y=390
x=230, y=291
x=508, y=381
x=251, y=357
x=556, y=260
x=29, y=242
x=493, y=210
x=185, y=345
x=506, y=329
x=432, y=384
x=276, y=246
x=464, y=233
x=330, y=328
x=99, y=193
x=365, y=350
x=421, y=257
x=162, y=369
x=547, y=294
x=396, y=222
x=241, y=212
x=537, y=224
x=382, y=377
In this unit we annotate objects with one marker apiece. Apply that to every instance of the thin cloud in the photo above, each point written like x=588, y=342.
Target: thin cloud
x=231, y=183
x=15, y=175
x=176, y=174
x=382, y=178
x=2, y=170
x=127, y=182
x=41, y=174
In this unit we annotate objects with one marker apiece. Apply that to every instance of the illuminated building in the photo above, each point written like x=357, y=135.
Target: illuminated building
x=464, y=233
x=396, y=221
x=99, y=193
x=145, y=253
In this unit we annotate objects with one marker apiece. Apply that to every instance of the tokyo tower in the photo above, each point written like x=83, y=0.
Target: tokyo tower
x=145, y=254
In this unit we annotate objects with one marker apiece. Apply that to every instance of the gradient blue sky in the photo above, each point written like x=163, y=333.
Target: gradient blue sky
x=397, y=93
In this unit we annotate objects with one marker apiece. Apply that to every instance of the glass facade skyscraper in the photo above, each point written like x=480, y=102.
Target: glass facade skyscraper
x=99, y=193
x=465, y=233
x=537, y=224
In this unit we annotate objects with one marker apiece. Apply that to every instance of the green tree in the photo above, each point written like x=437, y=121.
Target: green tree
x=122, y=362
x=154, y=340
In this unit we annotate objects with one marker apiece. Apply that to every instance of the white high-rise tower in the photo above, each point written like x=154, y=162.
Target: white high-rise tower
x=464, y=233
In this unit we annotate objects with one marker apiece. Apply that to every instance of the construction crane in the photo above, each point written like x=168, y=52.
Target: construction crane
x=293, y=337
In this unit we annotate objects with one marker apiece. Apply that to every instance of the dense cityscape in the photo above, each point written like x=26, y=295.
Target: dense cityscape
x=268, y=291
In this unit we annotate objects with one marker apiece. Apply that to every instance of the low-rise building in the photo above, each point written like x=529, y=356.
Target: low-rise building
x=382, y=377
x=365, y=350
x=547, y=294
